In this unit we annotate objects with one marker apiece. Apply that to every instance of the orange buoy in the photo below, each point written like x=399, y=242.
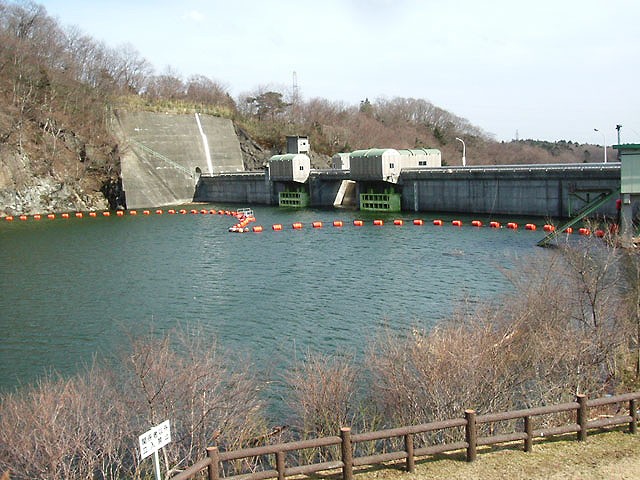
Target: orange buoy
x=146, y=212
x=204, y=212
x=277, y=227
x=171, y=211
x=220, y=212
x=316, y=224
x=9, y=218
x=584, y=231
x=437, y=222
x=79, y=215
x=296, y=225
x=22, y=217
x=512, y=225
x=378, y=223
x=337, y=223
x=568, y=230
x=133, y=212
x=476, y=223
x=399, y=222
x=65, y=215
x=183, y=212
x=93, y=214
x=159, y=212
x=418, y=221
x=549, y=228
x=37, y=216
x=599, y=233
x=257, y=228
x=358, y=223
x=106, y=214
x=194, y=212
x=530, y=226
x=51, y=216
x=494, y=225
x=457, y=223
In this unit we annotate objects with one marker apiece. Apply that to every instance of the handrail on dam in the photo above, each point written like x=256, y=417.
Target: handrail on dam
x=610, y=166
x=150, y=151
x=255, y=173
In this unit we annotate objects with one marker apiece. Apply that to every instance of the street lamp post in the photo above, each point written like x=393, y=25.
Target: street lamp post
x=604, y=144
x=464, y=152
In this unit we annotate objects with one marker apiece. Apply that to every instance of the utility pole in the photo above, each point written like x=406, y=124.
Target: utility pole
x=604, y=144
x=464, y=152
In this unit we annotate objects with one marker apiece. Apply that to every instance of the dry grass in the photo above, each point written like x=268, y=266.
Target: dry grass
x=611, y=455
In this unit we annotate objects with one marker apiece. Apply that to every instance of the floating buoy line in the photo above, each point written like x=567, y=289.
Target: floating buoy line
x=245, y=218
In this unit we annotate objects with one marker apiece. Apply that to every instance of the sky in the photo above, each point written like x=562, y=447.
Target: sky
x=545, y=69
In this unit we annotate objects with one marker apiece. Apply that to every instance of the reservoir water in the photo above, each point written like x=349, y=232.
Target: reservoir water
x=69, y=288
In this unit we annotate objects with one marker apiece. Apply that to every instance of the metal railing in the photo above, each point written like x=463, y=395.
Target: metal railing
x=162, y=157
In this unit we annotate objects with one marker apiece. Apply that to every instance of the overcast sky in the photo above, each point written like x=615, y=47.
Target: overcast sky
x=544, y=69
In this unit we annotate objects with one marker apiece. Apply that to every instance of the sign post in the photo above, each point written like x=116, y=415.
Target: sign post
x=152, y=441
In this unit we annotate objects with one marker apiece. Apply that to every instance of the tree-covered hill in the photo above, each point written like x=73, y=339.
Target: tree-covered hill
x=59, y=88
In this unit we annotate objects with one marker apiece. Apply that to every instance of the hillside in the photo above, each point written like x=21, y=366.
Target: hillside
x=59, y=89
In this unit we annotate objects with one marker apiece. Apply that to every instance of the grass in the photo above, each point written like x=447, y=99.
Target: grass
x=610, y=455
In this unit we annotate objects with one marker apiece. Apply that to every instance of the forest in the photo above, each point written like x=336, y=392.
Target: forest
x=59, y=88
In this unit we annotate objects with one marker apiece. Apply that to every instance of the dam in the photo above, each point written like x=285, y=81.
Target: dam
x=556, y=191
x=170, y=159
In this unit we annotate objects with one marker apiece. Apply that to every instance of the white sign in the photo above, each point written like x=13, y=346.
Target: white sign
x=154, y=439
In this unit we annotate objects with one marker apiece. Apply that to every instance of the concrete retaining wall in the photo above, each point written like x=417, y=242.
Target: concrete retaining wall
x=246, y=188
x=162, y=153
x=544, y=191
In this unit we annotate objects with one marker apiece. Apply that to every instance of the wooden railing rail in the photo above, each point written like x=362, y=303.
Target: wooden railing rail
x=347, y=441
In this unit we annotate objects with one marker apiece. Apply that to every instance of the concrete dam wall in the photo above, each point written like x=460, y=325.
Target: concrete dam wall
x=163, y=155
x=556, y=191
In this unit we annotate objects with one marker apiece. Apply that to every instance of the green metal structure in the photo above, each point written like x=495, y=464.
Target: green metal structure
x=585, y=211
x=381, y=202
x=294, y=199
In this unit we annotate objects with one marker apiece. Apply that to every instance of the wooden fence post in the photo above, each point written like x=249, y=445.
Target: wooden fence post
x=214, y=466
x=471, y=434
x=280, y=465
x=633, y=411
x=347, y=454
x=408, y=446
x=581, y=417
x=528, y=429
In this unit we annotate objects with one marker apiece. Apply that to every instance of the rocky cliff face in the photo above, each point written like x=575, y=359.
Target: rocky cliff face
x=40, y=174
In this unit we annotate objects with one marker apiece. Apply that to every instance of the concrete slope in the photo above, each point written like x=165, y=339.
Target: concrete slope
x=163, y=154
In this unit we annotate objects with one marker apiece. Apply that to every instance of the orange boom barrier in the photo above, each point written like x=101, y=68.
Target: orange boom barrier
x=457, y=223
x=378, y=223
x=418, y=221
x=437, y=222
x=358, y=223
x=337, y=223
x=399, y=222
x=277, y=227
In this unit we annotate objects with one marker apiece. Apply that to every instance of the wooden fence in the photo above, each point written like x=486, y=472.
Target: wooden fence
x=346, y=441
